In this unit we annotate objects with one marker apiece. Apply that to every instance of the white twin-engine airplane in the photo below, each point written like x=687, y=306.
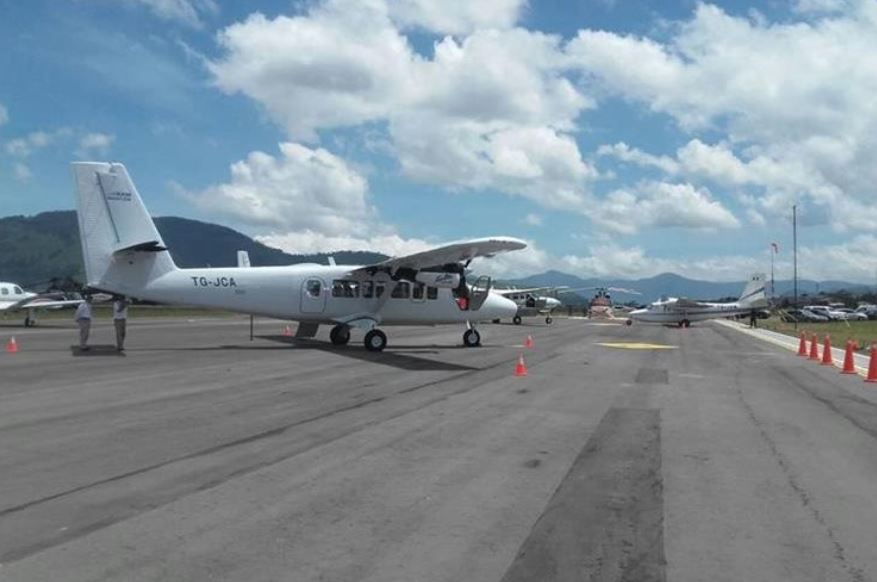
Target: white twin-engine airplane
x=124, y=254
x=530, y=303
x=683, y=311
x=14, y=298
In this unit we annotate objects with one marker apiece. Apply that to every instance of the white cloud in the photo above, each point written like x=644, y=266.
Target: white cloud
x=308, y=241
x=490, y=111
x=4, y=114
x=625, y=153
x=533, y=219
x=794, y=99
x=661, y=205
x=302, y=189
x=21, y=171
x=187, y=12
x=457, y=16
x=95, y=144
x=23, y=147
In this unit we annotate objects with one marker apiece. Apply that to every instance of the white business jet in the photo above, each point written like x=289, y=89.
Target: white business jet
x=125, y=254
x=683, y=311
x=14, y=298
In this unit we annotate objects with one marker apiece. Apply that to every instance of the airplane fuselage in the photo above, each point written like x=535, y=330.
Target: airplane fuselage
x=309, y=293
x=661, y=312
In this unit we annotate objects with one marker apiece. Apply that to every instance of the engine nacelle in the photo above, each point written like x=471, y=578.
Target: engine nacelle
x=442, y=280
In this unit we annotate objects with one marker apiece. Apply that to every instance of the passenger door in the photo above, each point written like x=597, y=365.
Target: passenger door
x=313, y=295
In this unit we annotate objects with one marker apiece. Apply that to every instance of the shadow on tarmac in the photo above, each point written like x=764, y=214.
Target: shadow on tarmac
x=96, y=350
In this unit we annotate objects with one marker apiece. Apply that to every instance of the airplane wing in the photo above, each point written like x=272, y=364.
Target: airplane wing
x=40, y=303
x=683, y=303
x=529, y=290
x=447, y=257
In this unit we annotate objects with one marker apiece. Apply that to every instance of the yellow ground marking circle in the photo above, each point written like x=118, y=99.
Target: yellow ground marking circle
x=636, y=346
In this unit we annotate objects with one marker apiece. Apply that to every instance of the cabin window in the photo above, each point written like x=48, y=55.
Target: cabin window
x=4, y=291
x=368, y=289
x=417, y=291
x=379, y=290
x=314, y=287
x=345, y=288
x=402, y=290
x=17, y=290
x=432, y=292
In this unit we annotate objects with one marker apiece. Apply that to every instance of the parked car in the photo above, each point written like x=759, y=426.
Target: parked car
x=823, y=310
x=870, y=311
x=803, y=316
x=849, y=314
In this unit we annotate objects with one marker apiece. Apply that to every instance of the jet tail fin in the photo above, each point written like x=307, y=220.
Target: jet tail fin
x=754, y=293
x=122, y=249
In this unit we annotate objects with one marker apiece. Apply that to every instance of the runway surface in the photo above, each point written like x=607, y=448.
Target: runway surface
x=200, y=455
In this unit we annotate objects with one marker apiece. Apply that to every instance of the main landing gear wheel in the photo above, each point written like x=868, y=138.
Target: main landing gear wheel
x=516, y=320
x=497, y=321
x=375, y=340
x=340, y=335
x=28, y=322
x=548, y=320
x=684, y=323
x=471, y=338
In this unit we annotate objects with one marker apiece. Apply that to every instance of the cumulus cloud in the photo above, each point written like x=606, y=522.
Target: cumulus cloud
x=95, y=144
x=457, y=16
x=186, y=12
x=301, y=189
x=492, y=110
x=662, y=205
x=23, y=147
x=532, y=219
x=792, y=98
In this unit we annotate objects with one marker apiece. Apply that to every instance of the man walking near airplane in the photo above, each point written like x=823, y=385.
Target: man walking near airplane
x=120, y=319
x=83, y=320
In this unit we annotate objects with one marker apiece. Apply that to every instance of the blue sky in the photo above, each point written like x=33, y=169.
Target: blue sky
x=617, y=138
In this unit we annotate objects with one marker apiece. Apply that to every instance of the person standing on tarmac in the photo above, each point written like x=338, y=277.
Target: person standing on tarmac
x=120, y=319
x=753, y=319
x=83, y=320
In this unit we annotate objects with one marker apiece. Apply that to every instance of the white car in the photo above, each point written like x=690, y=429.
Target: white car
x=870, y=311
x=849, y=314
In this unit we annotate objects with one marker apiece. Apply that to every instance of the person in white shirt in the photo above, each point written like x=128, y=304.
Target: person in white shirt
x=120, y=318
x=83, y=320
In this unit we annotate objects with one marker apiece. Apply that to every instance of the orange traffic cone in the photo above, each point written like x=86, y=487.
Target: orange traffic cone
x=802, y=347
x=520, y=368
x=11, y=346
x=814, y=348
x=827, y=360
x=286, y=331
x=872, y=365
x=849, y=360
x=528, y=343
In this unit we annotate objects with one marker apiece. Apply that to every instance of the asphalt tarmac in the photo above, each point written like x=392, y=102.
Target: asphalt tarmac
x=202, y=455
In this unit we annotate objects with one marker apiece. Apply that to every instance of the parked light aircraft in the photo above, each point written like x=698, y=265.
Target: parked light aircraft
x=530, y=303
x=14, y=298
x=125, y=254
x=683, y=311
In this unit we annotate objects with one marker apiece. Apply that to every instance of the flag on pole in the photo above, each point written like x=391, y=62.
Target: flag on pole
x=775, y=246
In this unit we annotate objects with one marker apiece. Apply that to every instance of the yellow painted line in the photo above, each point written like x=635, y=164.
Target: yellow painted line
x=635, y=346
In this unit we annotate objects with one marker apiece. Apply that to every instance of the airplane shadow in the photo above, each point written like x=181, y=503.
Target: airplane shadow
x=389, y=358
x=96, y=350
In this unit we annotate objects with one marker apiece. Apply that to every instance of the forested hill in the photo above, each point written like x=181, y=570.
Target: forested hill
x=36, y=249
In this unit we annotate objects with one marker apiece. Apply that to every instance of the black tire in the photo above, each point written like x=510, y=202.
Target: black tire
x=629, y=322
x=27, y=322
x=516, y=320
x=548, y=320
x=340, y=335
x=375, y=340
x=471, y=338
x=497, y=321
x=685, y=323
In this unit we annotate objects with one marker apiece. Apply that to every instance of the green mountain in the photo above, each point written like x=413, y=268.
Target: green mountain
x=38, y=249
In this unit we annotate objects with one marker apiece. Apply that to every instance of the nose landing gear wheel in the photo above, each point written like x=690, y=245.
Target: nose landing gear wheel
x=516, y=320
x=340, y=335
x=471, y=338
x=375, y=340
x=548, y=320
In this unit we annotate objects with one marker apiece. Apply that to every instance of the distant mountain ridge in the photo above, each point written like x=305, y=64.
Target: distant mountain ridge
x=38, y=248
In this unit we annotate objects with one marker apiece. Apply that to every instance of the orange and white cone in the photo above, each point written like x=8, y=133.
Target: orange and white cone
x=872, y=365
x=849, y=360
x=802, y=346
x=11, y=346
x=827, y=360
x=287, y=331
x=814, y=348
x=528, y=343
x=520, y=367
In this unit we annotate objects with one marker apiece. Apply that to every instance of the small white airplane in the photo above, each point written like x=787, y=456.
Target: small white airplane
x=124, y=254
x=530, y=303
x=683, y=311
x=14, y=298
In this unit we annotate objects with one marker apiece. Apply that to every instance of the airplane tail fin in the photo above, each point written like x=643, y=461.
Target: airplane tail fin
x=122, y=250
x=754, y=294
